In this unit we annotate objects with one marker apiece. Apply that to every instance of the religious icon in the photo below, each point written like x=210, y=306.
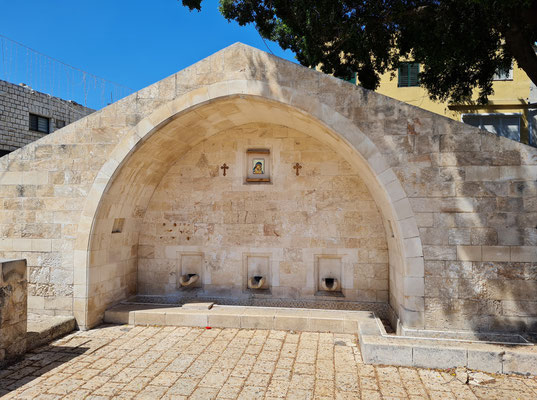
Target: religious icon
x=258, y=166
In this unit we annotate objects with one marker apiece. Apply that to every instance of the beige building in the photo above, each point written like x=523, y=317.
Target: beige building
x=246, y=177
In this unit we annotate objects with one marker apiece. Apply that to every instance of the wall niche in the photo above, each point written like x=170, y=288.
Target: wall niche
x=329, y=275
x=190, y=270
x=257, y=273
x=258, y=166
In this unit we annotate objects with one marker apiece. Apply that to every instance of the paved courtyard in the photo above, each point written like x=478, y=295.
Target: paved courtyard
x=126, y=362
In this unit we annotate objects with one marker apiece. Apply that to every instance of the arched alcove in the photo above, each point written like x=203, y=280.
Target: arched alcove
x=106, y=263
x=292, y=230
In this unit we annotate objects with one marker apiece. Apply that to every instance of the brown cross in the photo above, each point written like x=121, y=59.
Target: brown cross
x=297, y=166
x=224, y=167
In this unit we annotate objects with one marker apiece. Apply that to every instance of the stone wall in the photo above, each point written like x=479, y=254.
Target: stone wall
x=326, y=211
x=16, y=104
x=13, y=306
x=458, y=204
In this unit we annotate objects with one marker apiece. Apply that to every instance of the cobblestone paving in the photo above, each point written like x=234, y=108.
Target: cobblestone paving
x=125, y=362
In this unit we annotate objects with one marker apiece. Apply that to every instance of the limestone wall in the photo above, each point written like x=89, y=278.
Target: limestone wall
x=458, y=204
x=13, y=310
x=326, y=211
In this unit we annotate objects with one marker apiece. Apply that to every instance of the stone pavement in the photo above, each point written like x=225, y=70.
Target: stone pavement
x=126, y=362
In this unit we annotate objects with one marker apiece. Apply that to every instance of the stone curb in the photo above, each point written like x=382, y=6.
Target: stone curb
x=378, y=348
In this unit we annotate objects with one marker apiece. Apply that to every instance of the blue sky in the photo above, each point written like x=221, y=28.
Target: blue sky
x=134, y=43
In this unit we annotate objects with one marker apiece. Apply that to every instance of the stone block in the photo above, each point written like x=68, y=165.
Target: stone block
x=434, y=356
x=150, y=317
x=224, y=320
x=434, y=236
x=414, y=267
x=350, y=326
x=424, y=219
x=519, y=308
x=484, y=236
x=485, y=360
x=520, y=362
x=414, y=303
x=183, y=318
x=458, y=142
x=334, y=325
x=444, y=253
x=375, y=350
x=413, y=286
x=496, y=253
x=459, y=236
x=524, y=253
x=412, y=319
x=409, y=228
x=522, y=172
x=288, y=322
x=253, y=321
x=482, y=173
x=469, y=253
x=511, y=237
x=119, y=317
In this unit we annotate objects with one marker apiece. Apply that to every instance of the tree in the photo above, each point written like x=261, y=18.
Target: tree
x=460, y=43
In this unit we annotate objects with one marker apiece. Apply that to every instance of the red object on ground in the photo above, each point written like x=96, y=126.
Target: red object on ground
x=207, y=327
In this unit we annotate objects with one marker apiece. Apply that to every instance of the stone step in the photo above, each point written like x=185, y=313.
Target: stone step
x=43, y=329
x=223, y=316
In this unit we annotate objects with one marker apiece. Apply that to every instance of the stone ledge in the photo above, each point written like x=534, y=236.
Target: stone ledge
x=379, y=348
x=43, y=329
x=221, y=316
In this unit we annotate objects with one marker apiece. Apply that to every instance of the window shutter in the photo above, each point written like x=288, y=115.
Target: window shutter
x=42, y=124
x=413, y=74
x=39, y=124
x=408, y=74
x=403, y=75
x=33, y=122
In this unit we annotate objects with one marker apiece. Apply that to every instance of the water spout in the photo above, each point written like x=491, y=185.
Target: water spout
x=256, y=282
x=330, y=284
x=188, y=280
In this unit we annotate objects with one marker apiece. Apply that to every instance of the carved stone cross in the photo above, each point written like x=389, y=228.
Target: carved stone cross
x=297, y=167
x=224, y=167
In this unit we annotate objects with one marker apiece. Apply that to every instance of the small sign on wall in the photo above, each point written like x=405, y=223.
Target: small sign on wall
x=258, y=165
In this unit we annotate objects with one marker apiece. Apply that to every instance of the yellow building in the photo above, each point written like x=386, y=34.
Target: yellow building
x=508, y=113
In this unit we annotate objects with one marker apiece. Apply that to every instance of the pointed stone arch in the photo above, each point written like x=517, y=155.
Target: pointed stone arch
x=144, y=153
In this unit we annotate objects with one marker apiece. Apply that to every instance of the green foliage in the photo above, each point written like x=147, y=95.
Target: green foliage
x=460, y=43
x=192, y=4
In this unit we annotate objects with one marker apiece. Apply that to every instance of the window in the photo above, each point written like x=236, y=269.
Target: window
x=503, y=75
x=506, y=125
x=60, y=123
x=352, y=80
x=408, y=74
x=39, y=124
